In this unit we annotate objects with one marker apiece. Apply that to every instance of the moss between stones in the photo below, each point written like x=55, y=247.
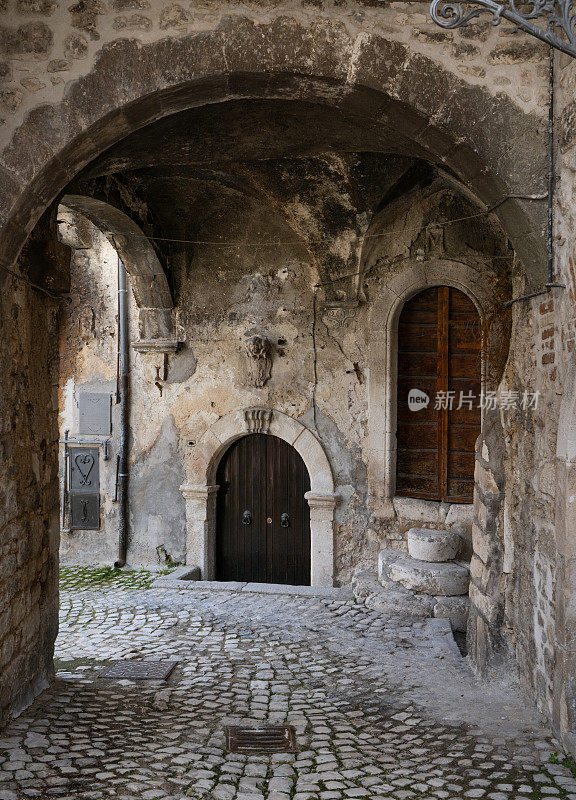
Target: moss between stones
x=108, y=577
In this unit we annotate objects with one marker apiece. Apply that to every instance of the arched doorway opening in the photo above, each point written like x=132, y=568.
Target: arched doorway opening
x=438, y=395
x=263, y=519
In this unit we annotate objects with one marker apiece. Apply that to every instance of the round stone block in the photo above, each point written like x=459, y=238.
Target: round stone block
x=431, y=545
x=443, y=580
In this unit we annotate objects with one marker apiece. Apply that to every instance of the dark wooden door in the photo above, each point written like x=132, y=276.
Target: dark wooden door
x=263, y=519
x=439, y=351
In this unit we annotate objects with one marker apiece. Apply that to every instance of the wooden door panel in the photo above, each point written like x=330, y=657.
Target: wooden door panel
x=459, y=491
x=439, y=350
x=418, y=364
x=464, y=365
x=267, y=477
x=460, y=464
x=417, y=338
x=417, y=462
x=462, y=437
x=419, y=486
x=417, y=435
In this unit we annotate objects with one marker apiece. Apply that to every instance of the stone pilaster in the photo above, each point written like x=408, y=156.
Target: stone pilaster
x=322, y=537
x=201, y=528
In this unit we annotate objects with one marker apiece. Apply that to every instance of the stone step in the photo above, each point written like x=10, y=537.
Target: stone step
x=385, y=560
x=442, y=579
x=429, y=544
x=456, y=609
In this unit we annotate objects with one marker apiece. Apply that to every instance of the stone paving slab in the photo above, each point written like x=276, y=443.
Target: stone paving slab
x=298, y=591
x=382, y=706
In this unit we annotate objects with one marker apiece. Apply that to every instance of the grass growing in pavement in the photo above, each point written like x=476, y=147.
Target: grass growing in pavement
x=107, y=577
x=566, y=760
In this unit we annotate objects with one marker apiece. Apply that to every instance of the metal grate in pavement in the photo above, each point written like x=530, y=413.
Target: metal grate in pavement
x=139, y=670
x=261, y=741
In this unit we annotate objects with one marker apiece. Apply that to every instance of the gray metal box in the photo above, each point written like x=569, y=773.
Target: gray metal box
x=85, y=512
x=94, y=417
x=84, y=470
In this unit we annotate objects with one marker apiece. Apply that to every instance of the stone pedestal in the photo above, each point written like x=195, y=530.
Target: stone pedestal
x=201, y=528
x=322, y=537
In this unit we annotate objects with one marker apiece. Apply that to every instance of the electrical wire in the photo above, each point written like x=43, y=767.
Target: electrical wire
x=259, y=243
x=255, y=244
x=34, y=285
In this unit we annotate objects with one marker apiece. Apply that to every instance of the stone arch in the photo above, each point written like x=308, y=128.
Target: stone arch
x=200, y=489
x=147, y=277
x=401, y=100
x=364, y=78
x=382, y=359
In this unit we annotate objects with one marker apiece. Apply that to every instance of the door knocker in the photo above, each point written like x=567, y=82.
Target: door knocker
x=246, y=518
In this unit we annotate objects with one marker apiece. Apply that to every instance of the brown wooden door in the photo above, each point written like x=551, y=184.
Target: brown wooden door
x=439, y=350
x=263, y=519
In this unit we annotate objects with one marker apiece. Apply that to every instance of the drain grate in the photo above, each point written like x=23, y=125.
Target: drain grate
x=139, y=670
x=261, y=741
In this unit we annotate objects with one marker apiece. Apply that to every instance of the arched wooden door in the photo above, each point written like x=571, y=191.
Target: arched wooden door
x=439, y=354
x=263, y=518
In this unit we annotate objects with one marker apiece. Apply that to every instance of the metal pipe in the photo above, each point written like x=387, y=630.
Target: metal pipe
x=65, y=441
x=526, y=297
x=124, y=396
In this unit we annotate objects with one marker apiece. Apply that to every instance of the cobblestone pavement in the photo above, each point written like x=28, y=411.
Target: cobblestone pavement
x=383, y=707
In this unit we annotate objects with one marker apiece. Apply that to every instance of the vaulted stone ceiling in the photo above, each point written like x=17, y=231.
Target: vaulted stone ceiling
x=297, y=172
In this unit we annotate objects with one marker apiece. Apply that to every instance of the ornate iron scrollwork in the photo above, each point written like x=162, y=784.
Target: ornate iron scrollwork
x=558, y=17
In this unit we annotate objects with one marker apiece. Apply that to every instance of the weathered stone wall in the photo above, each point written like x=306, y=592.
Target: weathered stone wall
x=28, y=492
x=321, y=370
x=46, y=44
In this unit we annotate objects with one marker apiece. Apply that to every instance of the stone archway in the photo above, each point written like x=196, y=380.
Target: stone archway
x=200, y=488
x=398, y=100
x=147, y=277
x=364, y=79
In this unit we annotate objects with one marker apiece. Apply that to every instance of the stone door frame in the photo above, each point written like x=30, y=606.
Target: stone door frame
x=383, y=361
x=200, y=489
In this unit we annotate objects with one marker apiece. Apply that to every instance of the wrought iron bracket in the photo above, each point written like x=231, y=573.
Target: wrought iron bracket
x=558, y=16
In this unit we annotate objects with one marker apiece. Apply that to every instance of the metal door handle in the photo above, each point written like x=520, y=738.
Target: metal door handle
x=246, y=518
x=285, y=520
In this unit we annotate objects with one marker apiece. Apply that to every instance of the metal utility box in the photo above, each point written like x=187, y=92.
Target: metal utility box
x=94, y=414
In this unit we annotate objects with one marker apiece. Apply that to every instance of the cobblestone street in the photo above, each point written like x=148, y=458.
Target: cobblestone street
x=383, y=707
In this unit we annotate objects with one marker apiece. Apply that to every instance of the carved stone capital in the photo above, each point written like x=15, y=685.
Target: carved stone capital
x=321, y=501
x=197, y=491
x=258, y=420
